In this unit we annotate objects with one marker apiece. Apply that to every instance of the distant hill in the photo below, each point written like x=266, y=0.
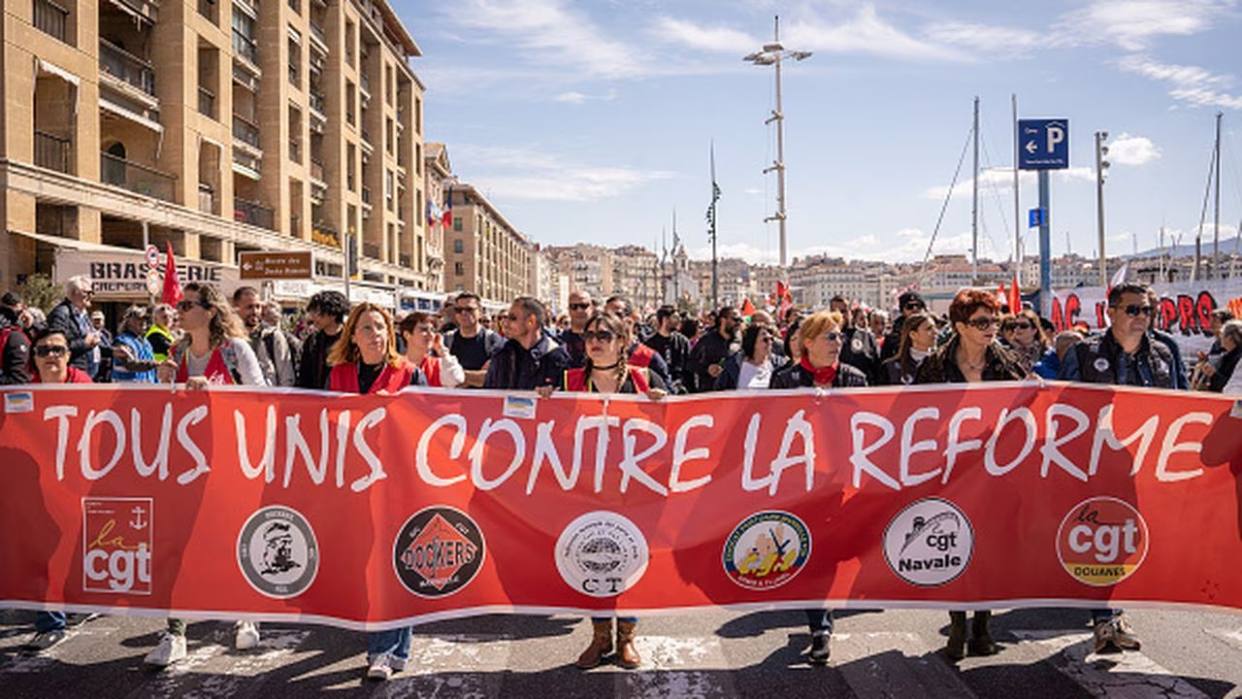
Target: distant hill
x=1187, y=249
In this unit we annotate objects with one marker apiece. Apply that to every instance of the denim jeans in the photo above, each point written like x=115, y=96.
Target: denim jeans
x=49, y=621
x=627, y=619
x=394, y=643
x=1101, y=615
x=820, y=621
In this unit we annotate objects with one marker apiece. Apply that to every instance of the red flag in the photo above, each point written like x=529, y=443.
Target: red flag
x=1002, y=296
x=172, y=285
x=1015, y=295
x=748, y=308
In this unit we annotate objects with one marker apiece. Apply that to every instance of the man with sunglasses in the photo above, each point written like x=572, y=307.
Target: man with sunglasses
x=671, y=345
x=909, y=303
x=14, y=345
x=530, y=359
x=710, y=352
x=471, y=343
x=1124, y=355
x=581, y=306
x=72, y=317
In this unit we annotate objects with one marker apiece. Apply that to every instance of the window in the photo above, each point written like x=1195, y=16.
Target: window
x=350, y=101
x=457, y=223
x=295, y=63
x=350, y=159
x=349, y=43
x=459, y=269
x=459, y=247
x=388, y=189
x=418, y=158
x=418, y=116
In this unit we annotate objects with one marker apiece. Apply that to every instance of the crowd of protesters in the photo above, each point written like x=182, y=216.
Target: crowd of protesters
x=601, y=346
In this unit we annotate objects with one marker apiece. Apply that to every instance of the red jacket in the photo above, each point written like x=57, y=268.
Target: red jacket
x=576, y=379
x=74, y=375
x=344, y=378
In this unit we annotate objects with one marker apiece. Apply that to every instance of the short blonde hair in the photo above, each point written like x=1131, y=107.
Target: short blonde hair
x=819, y=323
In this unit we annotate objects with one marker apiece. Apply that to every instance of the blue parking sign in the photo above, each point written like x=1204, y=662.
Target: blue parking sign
x=1043, y=144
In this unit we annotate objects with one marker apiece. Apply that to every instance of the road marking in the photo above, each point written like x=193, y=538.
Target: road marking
x=676, y=667
x=1231, y=636
x=1130, y=674
x=894, y=664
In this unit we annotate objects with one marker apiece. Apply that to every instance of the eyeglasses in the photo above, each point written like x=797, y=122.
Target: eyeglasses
x=601, y=335
x=50, y=350
x=579, y=306
x=833, y=336
x=88, y=293
x=1135, y=309
x=467, y=309
x=982, y=323
x=1022, y=326
x=186, y=304
x=512, y=318
x=914, y=306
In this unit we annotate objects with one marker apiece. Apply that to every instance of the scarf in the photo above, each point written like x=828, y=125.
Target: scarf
x=823, y=375
x=918, y=355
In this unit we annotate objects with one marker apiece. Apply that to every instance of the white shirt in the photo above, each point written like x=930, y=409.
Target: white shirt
x=247, y=363
x=752, y=376
x=451, y=373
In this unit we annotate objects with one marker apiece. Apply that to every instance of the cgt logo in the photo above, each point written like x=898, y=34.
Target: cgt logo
x=1102, y=541
x=117, y=536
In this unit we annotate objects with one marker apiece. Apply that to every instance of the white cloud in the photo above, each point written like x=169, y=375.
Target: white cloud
x=1132, y=24
x=905, y=245
x=1000, y=179
x=551, y=32
x=1132, y=150
x=992, y=40
x=575, y=97
x=715, y=39
x=1192, y=84
x=519, y=173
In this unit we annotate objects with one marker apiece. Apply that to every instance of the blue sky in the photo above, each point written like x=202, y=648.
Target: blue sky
x=591, y=121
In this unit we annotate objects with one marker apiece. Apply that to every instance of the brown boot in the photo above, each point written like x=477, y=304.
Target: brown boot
x=627, y=653
x=601, y=645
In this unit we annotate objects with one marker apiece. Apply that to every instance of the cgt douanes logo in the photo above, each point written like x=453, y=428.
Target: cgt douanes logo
x=1102, y=541
x=117, y=537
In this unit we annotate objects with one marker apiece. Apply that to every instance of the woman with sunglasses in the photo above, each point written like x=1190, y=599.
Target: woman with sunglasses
x=918, y=341
x=1028, y=341
x=365, y=361
x=816, y=342
x=213, y=352
x=605, y=371
x=971, y=355
x=753, y=366
x=424, y=348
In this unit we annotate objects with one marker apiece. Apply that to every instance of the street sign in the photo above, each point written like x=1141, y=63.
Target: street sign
x=276, y=265
x=1043, y=144
x=1036, y=217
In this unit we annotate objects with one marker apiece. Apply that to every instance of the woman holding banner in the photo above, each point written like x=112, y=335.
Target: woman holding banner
x=606, y=371
x=816, y=342
x=971, y=355
x=213, y=351
x=365, y=360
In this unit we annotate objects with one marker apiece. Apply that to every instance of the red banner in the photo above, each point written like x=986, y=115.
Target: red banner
x=367, y=511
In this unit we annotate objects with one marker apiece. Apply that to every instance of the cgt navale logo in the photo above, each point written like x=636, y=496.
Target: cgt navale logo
x=1102, y=541
x=117, y=536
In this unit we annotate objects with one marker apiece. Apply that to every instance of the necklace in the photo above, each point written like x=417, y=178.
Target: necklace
x=614, y=365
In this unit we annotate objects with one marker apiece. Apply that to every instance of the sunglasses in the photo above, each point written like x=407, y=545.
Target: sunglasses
x=186, y=305
x=601, y=335
x=833, y=336
x=50, y=350
x=1022, y=326
x=510, y=317
x=1135, y=309
x=982, y=323
x=467, y=309
x=579, y=306
x=914, y=306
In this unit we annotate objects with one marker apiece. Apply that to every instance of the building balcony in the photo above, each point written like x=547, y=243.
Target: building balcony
x=364, y=83
x=246, y=131
x=317, y=104
x=366, y=197
x=52, y=152
x=250, y=6
x=245, y=47
x=148, y=9
x=52, y=19
x=253, y=213
x=137, y=178
x=126, y=67
x=246, y=76
x=246, y=163
x=316, y=32
x=316, y=169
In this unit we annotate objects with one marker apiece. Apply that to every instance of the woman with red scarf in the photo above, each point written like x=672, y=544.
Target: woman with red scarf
x=424, y=348
x=818, y=349
x=605, y=370
x=365, y=361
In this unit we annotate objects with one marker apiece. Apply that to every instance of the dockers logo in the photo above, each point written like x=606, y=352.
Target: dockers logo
x=929, y=543
x=766, y=550
x=117, y=538
x=601, y=554
x=438, y=551
x=277, y=552
x=1102, y=541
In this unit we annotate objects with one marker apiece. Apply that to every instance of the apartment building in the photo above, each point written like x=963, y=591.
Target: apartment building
x=636, y=275
x=216, y=126
x=484, y=253
x=589, y=268
x=437, y=180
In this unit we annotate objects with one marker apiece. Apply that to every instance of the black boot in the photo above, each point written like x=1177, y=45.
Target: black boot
x=981, y=642
x=956, y=647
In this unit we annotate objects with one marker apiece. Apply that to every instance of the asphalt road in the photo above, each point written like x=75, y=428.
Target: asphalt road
x=1045, y=655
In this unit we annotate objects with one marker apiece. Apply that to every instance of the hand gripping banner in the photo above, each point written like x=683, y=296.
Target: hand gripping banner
x=376, y=511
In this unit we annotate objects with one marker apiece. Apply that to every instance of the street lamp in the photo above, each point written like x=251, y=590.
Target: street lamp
x=772, y=55
x=1101, y=172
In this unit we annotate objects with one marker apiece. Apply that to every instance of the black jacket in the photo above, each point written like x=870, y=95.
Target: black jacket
x=15, y=351
x=999, y=364
x=513, y=367
x=794, y=376
x=711, y=349
x=63, y=317
x=675, y=349
x=313, y=370
x=896, y=372
x=1099, y=359
x=1228, y=364
x=859, y=350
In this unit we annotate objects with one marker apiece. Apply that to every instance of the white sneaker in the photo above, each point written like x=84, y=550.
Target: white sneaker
x=170, y=650
x=247, y=636
x=380, y=669
x=45, y=640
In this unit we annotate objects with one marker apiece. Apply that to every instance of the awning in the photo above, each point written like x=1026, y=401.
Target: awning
x=132, y=116
x=73, y=244
x=44, y=66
